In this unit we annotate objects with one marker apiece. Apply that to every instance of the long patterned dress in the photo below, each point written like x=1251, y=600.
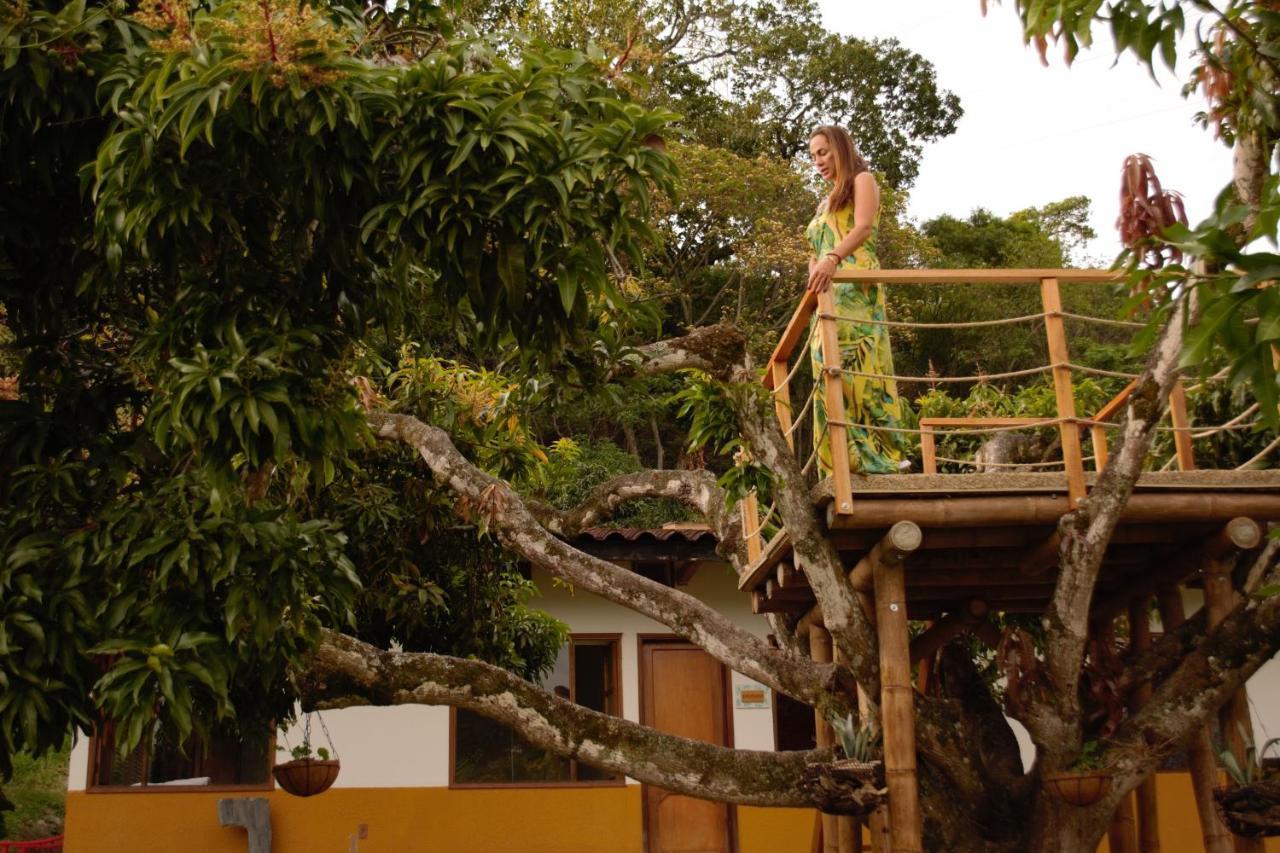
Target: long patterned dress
x=864, y=348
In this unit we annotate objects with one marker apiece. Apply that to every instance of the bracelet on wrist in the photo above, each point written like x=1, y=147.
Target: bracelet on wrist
x=834, y=256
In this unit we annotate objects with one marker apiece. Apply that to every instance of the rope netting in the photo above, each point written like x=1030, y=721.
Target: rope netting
x=1238, y=423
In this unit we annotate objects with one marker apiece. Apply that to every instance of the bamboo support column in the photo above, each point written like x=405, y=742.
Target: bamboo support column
x=928, y=450
x=833, y=397
x=1148, y=813
x=1101, y=453
x=897, y=697
x=1122, y=835
x=1219, y=601
x=848, y=828
x=1200, y=758
x=820, y=649
x=878, y=820
x=1055, y=330
x=750, y=509
x=782, y=400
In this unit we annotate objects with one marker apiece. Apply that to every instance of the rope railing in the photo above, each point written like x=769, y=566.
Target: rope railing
x=817, y=316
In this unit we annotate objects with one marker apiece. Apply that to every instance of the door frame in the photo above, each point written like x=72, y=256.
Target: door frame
x=726, y=717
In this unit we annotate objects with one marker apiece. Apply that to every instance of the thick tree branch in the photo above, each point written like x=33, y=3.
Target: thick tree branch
x=519, y=531
x=719, y=350
x=842, y=616
x=1207, y=676
x=1055, y=720
x=344, y=672
x=695, y=489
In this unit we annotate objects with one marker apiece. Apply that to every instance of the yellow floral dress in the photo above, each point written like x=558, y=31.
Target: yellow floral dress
x=864, y=348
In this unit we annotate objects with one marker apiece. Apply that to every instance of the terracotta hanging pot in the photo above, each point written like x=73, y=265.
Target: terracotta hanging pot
x=306, y=777
x=1078, y=787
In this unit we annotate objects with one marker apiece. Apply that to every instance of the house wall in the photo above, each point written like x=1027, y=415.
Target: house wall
x=395, y=773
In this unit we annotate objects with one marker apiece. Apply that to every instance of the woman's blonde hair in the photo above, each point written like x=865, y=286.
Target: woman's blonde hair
x=849, y=164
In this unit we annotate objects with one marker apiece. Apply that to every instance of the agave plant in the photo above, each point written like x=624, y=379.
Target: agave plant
x=860, y=743
x=1251, y=770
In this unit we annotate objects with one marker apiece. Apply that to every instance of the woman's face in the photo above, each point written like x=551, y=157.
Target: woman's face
x=824, y=159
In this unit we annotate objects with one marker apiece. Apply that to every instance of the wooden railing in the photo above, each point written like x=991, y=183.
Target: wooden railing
x=780, y=373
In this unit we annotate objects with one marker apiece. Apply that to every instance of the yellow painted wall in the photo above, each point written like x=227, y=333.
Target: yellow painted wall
x=519, y=820
x=401, y=820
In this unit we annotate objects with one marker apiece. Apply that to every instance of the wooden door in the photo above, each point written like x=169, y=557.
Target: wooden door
x=684, y=691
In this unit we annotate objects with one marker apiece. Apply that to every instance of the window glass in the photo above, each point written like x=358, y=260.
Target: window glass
x=488, y=753
x=161, y=759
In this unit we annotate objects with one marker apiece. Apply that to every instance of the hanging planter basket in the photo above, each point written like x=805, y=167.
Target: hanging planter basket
x=1078, y=787
x=845, y=787
x=306, y=777
x=1251, y=811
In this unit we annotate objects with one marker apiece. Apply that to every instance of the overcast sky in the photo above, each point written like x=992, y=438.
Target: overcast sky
x=1030, y=134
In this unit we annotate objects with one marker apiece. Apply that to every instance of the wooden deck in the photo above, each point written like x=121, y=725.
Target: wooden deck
x=989, y=540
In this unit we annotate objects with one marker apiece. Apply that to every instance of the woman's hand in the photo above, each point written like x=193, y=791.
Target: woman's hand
x=820, y=274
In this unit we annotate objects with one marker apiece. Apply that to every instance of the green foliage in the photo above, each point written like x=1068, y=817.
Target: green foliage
x=575, y=469
x=1090, y=757
x=38, y=791
x=709, y=407
x=205, y=214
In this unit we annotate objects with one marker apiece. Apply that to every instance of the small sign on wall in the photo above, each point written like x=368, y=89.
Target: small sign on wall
x=751, y=695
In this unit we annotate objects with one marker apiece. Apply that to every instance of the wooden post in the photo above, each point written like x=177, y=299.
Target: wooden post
x=1182, y=425
x=878, y=821
x=1200, y=758
x=1121, y=835
x=833, y=396
x=820, y=649
x=751, y=526
x=1219, y=601
x=848, y=828
x=1100, y=451
x=928, y=451
x=782, y=400
x=1140, y=641
x=897, y=698
x=1056, y=331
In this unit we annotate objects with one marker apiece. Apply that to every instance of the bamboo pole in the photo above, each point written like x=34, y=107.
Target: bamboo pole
x=848, y=828
x=1148, y=810
x=1233, y=717
x=751, y=524
x=1121, y=835
x=1181, y=423
x=897, y=700
x=1056, y=331
x=782, y=400
x=833, y=396
x=820, y=649
x=878, y=820
x=1200, y=760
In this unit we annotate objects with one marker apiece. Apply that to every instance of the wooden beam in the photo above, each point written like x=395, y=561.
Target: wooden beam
x=901, y=541
x=1013, y=276
x=1200, y=757
x=782, y=400
x=751, y=523
x=789, y=577
x=821, y=650
x=796, y=330
x=928, y=450
x=1044, y=556
x=1147, y=806
x=897, y=697
x=777, y=550
x=1056, y=332
x=1219, y=600
x=1144, y=508
x=833, y=397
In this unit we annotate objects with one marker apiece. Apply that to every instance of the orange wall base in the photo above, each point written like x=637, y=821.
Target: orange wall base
x=537, y=820
x=515, y=820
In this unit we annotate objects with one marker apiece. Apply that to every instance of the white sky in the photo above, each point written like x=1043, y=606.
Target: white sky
x=1030, y=134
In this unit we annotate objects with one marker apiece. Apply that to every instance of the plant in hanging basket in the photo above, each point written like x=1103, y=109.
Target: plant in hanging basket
x=1251, y=807
x=1084, y=782
x=307, y=775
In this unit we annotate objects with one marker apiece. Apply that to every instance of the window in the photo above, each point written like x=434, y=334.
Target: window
x=488, y=753
x=793, y=724
x=161, y=762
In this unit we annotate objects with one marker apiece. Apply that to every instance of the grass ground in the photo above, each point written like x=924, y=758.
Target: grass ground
x=38, y=791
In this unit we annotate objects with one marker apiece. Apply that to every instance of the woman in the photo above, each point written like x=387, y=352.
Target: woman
x=843, y=237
